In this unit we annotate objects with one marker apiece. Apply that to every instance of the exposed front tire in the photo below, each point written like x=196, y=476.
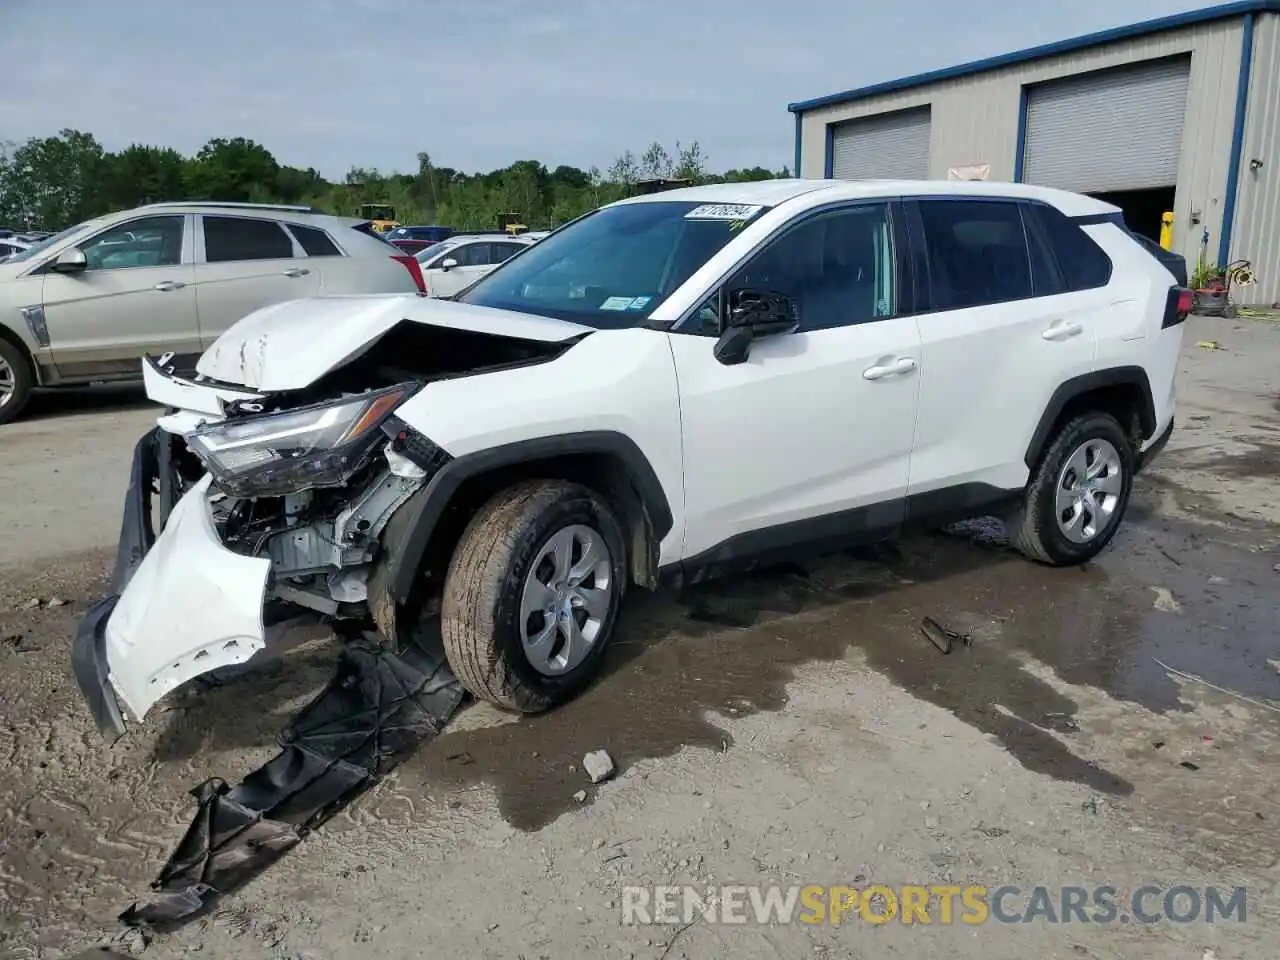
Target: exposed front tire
x=16, y=381
x=532, y=594
x=1077, y=494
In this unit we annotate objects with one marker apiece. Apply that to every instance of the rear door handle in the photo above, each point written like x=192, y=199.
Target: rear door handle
x=296, y=272
x=898, y=367
x=167, y=285
x=1063, y=330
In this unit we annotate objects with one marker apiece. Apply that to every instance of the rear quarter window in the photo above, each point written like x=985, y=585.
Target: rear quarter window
x=315, y=242
x=1084, y=264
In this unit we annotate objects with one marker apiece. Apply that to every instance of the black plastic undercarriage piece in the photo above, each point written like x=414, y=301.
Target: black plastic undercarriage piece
x=376, y=710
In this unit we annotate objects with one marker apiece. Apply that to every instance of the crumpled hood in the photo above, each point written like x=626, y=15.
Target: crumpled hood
x=290, y=345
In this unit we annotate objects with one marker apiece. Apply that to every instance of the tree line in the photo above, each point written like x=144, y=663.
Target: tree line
x=50, y=183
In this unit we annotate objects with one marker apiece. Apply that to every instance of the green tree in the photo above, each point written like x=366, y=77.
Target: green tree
x=229, y=170
x=142, y=174
x=56, y=181
x=53, y=182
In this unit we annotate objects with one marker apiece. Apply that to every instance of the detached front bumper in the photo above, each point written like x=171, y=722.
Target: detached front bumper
x=181, y=603
x=137, y=534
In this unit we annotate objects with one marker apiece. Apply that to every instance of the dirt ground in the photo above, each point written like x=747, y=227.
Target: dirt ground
x=1114, y=724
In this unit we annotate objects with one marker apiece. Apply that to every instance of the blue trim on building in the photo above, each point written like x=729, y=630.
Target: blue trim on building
x=799, y=133
x=1237, y=141
x=1190, y=18
x=829, y=153
x=1022, y=134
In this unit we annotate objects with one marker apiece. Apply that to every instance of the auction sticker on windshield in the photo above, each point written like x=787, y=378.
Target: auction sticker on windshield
x=724, y=211
x=617, y=303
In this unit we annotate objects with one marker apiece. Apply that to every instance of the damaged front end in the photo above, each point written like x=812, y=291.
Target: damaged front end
x=238, y=525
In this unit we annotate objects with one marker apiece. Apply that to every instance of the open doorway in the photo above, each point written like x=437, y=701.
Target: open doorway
x=1142, y=208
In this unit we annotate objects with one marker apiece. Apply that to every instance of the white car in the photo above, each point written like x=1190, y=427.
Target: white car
x=12, y=245
x=672, y=387
x=454, y=264
x=87, y=304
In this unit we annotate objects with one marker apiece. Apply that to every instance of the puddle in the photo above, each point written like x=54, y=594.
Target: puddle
x=731, y=648
x=1262, y=461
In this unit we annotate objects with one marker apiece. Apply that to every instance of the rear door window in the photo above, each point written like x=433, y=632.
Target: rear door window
x=1046, y=275
x=228, y=239
x=977, y=252
x=504, y=251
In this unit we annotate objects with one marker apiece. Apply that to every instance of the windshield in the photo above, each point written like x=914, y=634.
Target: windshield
x=36, y=249
x=612, y=268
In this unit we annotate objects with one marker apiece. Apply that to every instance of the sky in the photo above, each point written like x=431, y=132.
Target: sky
x=335, y=84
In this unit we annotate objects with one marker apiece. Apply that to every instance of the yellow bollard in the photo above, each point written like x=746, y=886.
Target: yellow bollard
x=1166, y=229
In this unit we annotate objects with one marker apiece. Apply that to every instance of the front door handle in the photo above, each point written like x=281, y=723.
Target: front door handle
x=167, y=285
x=1063, y=330
x=896, y=368
x=296, y=272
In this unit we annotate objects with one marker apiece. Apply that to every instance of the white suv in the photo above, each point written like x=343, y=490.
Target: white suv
x=452, y=265
x=675, y=386
x=87, y=304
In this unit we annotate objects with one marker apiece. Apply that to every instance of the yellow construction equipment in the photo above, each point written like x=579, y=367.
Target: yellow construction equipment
x=382, y=215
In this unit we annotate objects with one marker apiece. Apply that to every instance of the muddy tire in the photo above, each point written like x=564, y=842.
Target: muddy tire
x=1077, y=494
x=532, y=594
x=16, y=381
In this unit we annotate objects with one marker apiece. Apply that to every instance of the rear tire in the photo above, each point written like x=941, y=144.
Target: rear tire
x=532, y=594
x=1078, y=493
x=16, y=381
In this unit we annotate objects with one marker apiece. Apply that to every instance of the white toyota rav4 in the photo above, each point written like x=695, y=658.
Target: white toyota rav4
x=671, y=387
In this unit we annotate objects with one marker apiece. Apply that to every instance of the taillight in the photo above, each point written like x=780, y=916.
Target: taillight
x=1177, y=306
x=415, y=270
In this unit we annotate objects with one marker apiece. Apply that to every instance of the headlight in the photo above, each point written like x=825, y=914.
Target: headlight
x=283, y=453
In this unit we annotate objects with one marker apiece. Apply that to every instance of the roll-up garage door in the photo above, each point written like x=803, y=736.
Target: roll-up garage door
x=1112, y=130
x=891, y=146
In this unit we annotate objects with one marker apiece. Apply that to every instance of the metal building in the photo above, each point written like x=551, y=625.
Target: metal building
x=1179, y=114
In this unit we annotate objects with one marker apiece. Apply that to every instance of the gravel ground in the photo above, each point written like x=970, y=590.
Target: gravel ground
x=1115, y=724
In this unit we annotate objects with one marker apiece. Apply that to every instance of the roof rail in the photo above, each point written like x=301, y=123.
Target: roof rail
x=235, y=206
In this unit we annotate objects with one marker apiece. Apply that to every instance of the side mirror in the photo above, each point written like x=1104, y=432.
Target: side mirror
x=765, y=313
x=448, y=263
x=753, y=314
x=70, y=261
x=734, y=345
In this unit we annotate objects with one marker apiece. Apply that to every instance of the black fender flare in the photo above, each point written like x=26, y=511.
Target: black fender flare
x=409, y=531
x=1068, y=390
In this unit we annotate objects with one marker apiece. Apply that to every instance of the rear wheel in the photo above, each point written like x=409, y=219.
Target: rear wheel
x=15, y=381
x=1077, y=494
x=532, y=594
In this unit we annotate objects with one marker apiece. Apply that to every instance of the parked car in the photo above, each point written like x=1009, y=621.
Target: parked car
x=10, y=246
x=453, y=264
x=672, y=387
x=85, y=305
x=417, y=239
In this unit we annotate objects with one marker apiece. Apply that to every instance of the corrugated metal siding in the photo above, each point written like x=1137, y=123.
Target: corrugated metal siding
x=975, y=118
x=892, y=146
x=1256, y=235
x=1117, y=129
